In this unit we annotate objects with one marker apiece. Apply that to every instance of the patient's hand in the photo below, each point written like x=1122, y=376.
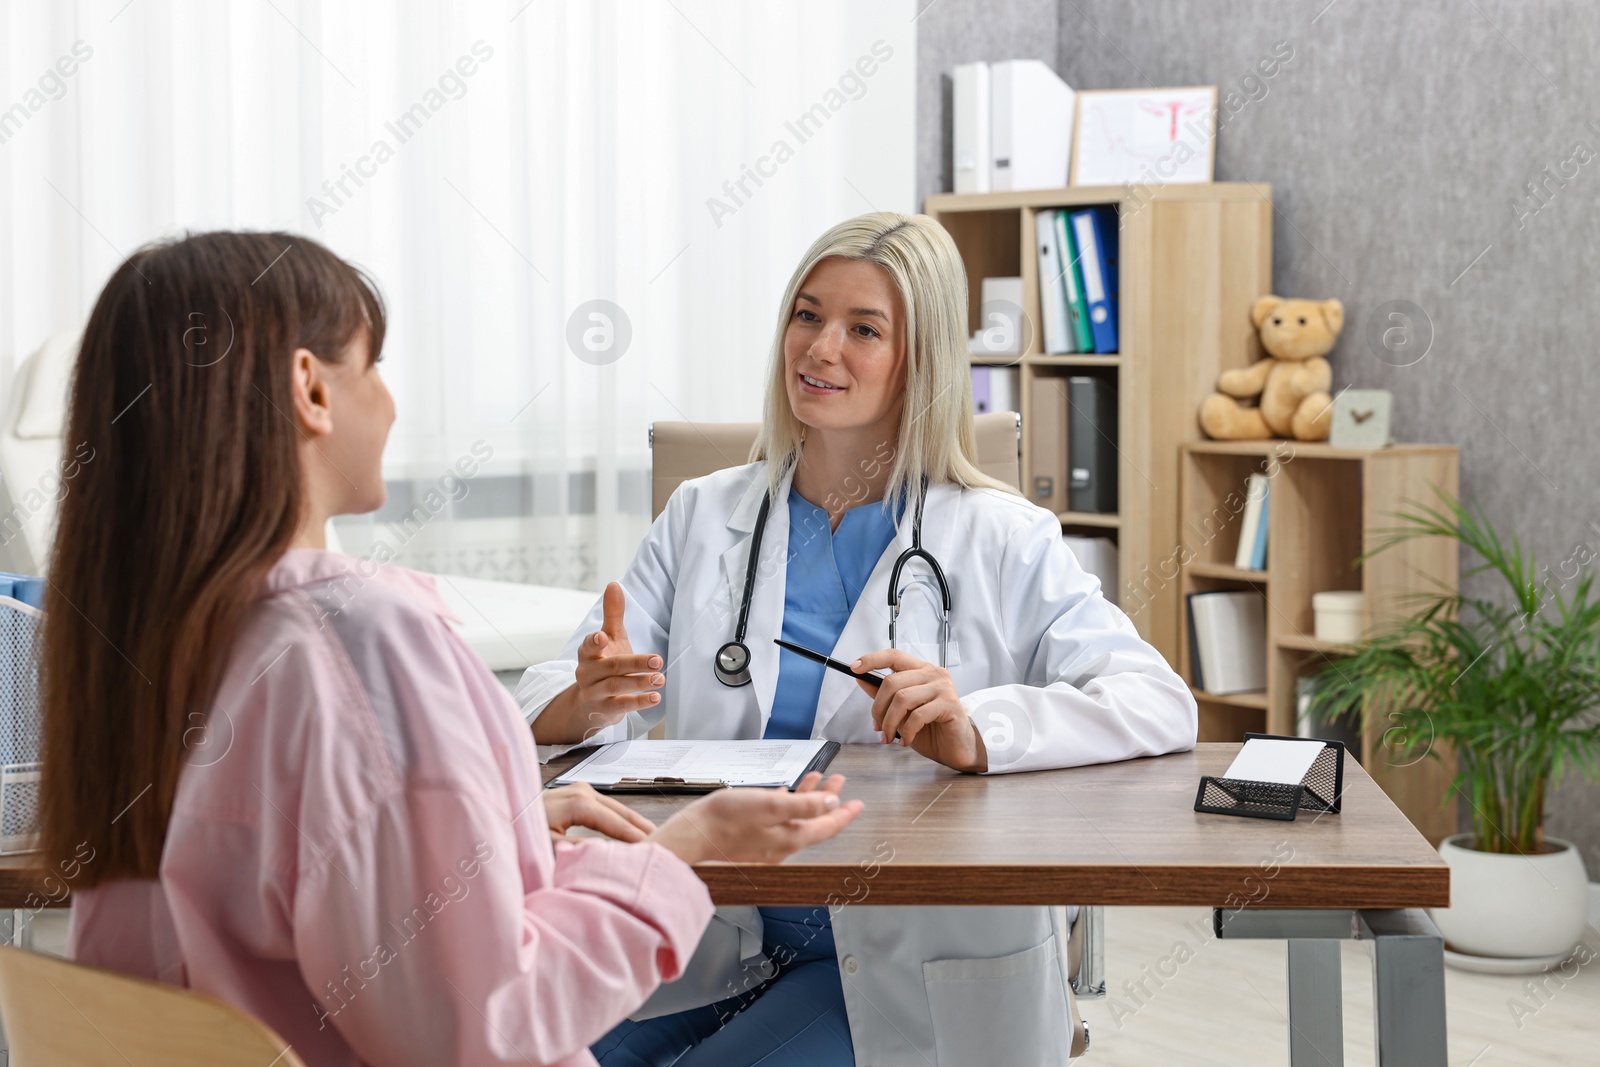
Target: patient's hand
x=758, y=825
x=579, y=805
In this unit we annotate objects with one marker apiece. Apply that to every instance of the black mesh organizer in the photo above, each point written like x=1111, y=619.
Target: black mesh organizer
x=1320, y=789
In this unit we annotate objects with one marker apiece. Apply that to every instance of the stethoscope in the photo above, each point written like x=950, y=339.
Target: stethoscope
x=732, y=661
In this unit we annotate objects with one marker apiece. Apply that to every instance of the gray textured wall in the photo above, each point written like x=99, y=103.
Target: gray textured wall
x=1397, y=140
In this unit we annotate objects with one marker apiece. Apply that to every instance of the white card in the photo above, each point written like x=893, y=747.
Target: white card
x=1270, y=759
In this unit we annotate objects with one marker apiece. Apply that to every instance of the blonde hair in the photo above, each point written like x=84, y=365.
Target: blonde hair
x=939, y=441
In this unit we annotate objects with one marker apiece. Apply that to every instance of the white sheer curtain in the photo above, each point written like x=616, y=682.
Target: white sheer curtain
x=498, y=168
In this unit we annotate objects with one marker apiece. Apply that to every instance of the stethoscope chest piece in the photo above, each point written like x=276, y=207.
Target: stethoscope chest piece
x=733, y=664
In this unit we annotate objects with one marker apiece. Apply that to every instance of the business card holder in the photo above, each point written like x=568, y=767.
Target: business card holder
x=1319, y=790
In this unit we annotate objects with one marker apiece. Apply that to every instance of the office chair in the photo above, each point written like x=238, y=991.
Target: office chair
x=58, y=1012
x=509, y=625
x=684, y=450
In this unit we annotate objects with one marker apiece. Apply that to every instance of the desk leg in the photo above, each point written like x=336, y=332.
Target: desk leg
x=16, y=928
x=1316, y=1005
x=1408, y=976
x=1408, y=979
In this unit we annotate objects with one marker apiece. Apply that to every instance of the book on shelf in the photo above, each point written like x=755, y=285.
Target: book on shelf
x=1197, y=672
x=996, y=389
x=1094, y=232
x=1072, y=283
x=1092, y=444
x=1252, y=551
x=1052, y=293
x=1228, y=633
x=1046, y=426
x=1097, y=556
x=1258, y=555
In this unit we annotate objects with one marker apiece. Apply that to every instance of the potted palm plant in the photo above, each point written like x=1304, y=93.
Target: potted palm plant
x=1510, y=683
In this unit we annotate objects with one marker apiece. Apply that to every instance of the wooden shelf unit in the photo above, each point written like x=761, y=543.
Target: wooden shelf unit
x=1326, y=508
x=1192, y=259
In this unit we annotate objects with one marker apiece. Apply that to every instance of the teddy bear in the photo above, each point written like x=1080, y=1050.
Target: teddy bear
x=1291, y=384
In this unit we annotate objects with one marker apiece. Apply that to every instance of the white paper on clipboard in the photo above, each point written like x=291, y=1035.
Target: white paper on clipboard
x=768, y=763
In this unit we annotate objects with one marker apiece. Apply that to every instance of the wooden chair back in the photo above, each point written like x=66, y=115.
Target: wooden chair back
x=56, y=1012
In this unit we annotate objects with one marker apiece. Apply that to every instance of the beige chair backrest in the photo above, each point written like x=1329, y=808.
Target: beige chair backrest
x=684, y=450
x=57, y=1012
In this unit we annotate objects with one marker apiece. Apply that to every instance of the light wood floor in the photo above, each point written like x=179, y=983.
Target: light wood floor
x=1225, y=1004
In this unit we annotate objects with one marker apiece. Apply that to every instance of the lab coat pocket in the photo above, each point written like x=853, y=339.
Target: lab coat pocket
x=728, y=961
x=1008, y=1009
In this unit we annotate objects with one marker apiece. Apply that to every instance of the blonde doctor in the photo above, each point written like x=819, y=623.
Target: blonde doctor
x=1004, y=657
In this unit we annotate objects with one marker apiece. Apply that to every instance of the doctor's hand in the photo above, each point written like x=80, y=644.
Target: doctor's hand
x=758, y=825
x=611, y=681
x=580, y=805
x=920, y=703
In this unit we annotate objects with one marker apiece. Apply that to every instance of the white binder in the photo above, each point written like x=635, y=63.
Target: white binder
x=1052, y=291
x=970, y=146
x=1030, y=126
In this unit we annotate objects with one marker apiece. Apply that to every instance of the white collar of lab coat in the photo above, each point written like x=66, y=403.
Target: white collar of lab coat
x=743, y=518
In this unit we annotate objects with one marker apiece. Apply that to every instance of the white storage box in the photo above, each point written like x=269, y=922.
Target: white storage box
x=1338, y=615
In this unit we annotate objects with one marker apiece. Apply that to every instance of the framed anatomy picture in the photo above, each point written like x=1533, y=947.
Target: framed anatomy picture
x=1145, y=136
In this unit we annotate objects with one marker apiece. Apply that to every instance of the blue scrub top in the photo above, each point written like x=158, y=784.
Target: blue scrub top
x=827, y=571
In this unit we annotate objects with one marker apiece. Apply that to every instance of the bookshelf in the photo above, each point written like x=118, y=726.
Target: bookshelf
x=1192, y=259
x=1326, y=507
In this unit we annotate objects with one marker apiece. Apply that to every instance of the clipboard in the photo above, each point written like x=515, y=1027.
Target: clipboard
x=696, y=753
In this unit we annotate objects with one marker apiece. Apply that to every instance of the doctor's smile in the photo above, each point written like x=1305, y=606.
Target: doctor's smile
x=820, y=387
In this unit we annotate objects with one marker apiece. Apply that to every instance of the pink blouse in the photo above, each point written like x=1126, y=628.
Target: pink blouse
x=359, y=858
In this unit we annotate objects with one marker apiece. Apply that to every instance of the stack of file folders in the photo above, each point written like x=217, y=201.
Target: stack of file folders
x=1078, y=292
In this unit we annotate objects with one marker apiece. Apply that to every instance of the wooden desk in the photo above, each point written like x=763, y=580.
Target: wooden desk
x=1127, y=833
x=1120, y=833
x=1123, y=833
x=25, y=883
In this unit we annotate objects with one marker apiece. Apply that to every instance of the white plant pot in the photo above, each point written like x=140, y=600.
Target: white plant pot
x=1513, y=906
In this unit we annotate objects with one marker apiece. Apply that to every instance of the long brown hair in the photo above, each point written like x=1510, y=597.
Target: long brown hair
x=165, y=536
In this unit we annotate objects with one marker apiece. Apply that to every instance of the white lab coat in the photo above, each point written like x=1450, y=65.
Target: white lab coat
x=1052, y=673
